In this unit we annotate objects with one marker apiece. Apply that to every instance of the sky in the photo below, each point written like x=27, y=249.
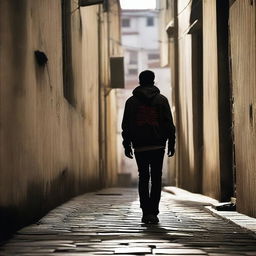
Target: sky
x=138, y=4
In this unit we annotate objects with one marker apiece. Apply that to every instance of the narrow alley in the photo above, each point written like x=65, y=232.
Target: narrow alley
x=108, y=223
x=67, y=184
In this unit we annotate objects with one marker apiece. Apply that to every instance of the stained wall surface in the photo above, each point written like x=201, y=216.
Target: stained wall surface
x=186, y=142
x=109, y=27
x=196, y=152
x=211, y=168
x=216, y=121
x=49, y=146
x=198, y=163
x=243, y=60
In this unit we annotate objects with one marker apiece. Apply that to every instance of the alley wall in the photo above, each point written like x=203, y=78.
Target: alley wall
x=186, y=142
x=109, y=27
x=194, y=61
x=167, y=59
x=214, y=56
x=243, y=60
x=211, y=161
x=50, y=139
x=191, y=155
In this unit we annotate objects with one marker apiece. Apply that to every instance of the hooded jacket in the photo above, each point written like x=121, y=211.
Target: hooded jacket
x=147, y=119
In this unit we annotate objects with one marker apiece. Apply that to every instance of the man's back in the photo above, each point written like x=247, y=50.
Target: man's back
x=147, y=118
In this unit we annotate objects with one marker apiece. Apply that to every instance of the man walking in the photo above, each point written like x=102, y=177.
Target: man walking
x=147, y=125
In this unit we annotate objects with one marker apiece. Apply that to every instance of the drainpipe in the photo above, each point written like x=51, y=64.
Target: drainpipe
x=107, y=181
x=101, y=127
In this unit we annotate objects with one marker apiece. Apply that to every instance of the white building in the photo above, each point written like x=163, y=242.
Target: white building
x=140, y=41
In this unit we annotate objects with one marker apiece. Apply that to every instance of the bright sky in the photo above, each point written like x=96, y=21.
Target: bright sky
x=138, y=4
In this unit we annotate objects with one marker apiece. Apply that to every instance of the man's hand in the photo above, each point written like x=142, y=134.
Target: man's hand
x=170, y=152
x=128, y=152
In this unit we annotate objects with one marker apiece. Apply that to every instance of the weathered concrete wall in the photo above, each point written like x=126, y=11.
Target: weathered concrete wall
x=186, y=142
x=211, y=168
x=188, y=94
x=200, y=105
x=115, y=50
x=204, y=112
x=198, y=98
x=166, y=16
x=243, y=58
x=109, y=28
x=49, y=149
x=167, y=59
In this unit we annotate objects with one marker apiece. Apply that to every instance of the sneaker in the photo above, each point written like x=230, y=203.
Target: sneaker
x=226, y=207
x=146, y=219
x=153, y=219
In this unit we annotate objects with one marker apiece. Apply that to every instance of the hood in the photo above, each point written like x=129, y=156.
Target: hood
x=146, y=93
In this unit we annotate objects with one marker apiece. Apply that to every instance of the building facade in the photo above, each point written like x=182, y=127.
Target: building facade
x=140, y=41
x=213, y=72
x=56, y=108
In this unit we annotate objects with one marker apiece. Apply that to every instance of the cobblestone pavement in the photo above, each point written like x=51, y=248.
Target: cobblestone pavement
x=108, y=223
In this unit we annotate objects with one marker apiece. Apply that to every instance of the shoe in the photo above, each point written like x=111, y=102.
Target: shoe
x=145, y=219
x=153, y=219
x=226, y=207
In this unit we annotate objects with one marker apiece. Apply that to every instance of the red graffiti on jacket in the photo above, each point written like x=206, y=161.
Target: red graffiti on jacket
x=147, y=115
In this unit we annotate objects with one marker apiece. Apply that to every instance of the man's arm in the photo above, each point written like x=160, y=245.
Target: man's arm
x=170, y=128
x=126, y=131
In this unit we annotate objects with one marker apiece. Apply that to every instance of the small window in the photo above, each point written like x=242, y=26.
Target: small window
x=150, y=21
x=153, y=56
x=132, y=71
x=133, y=57
x=126, y=23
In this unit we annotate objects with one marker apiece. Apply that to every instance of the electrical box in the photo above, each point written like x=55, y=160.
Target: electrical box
x=117, y=72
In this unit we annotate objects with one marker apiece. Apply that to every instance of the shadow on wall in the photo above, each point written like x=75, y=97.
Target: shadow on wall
x=41, y=198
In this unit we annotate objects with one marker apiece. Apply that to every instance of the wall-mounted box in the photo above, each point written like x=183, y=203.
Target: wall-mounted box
x=117, y=72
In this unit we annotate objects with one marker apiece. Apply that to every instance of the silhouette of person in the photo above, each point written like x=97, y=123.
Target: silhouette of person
x=147, y=125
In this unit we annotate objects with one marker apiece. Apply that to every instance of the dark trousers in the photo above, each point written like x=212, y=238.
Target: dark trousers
x=150, y=164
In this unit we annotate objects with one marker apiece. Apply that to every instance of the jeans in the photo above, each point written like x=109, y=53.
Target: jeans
x=150, y=164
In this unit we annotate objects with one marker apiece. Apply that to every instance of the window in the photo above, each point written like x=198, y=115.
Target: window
x=68, y=77
x=133, y=71
x=133, y=57
x=150, y=21
x=126, y=23
x=153, y=56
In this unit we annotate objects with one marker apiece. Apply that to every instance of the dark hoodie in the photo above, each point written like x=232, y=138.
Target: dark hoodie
x=147, y=119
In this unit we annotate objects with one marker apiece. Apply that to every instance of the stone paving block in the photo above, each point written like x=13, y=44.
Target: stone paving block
x=179, y=251
x=156, y=245
x=133, y=250
x=222, y=254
